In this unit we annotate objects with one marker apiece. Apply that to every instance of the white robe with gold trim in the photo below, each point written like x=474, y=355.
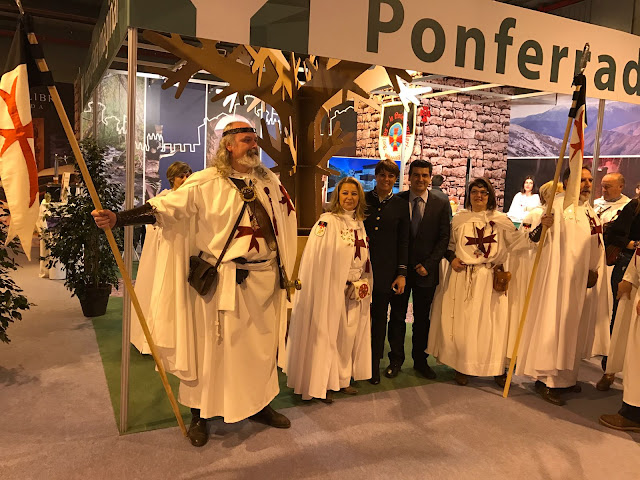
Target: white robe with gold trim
x=223, y=346
x=330, y=335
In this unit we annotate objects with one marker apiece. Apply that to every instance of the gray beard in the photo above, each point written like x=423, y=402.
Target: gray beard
x=249, y=161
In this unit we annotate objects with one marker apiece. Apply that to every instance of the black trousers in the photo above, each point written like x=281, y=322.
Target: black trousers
x=630, y=412
x=379, y=309
x=422, y=298
x=616, y=277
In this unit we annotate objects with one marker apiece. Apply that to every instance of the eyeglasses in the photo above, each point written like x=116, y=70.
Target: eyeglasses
x=482, y=193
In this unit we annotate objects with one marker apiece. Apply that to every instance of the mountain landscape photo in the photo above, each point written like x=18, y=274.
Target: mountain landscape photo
x=540, y=134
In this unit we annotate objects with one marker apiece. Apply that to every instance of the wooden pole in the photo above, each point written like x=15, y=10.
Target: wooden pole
x=53, y=91
x=583, y=64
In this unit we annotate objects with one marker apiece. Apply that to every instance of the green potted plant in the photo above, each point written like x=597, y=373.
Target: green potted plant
x=12, y=302
x=76, y=241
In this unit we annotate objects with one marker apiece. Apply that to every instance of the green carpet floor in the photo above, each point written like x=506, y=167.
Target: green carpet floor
x=148, y=405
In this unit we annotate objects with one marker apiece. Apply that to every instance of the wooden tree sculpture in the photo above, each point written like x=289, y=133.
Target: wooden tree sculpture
x=300, y=149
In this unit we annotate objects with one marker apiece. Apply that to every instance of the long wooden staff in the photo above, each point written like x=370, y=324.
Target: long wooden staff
x=534, y=271
x=53, y=91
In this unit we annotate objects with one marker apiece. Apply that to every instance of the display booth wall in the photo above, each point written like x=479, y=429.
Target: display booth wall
x=455, y=130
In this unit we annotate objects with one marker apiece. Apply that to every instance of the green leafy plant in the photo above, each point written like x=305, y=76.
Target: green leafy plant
x=12, y=302
x=75, y=240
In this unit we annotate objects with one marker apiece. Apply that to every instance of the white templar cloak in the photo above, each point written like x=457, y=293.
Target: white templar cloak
x=469, y=322
x=222, y=346
x=559, y=330
x=330, y=335
x=520, y=264
x=607, y=211
x=625, y=341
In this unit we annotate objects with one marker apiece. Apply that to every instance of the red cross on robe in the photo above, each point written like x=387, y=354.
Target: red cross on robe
x=595, y=229
x=480, y=240
x=359, y=243
x=255, y=235
x=286, y=199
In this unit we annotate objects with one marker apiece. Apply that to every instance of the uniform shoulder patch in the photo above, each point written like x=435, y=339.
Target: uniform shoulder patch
x=321, y=228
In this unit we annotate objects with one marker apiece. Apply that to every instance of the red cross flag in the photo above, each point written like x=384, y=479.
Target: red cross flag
x=576, y=148
x=18, y=170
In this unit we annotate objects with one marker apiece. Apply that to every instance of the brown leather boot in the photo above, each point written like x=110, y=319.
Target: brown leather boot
x=501, y=380
x=549, y=394
x=618, y=422
x=605, y=382
x=461, y=378
x=269, y=416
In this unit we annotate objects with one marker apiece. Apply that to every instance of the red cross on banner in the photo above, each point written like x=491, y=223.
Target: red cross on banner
x=480, y=241
x=18, y=168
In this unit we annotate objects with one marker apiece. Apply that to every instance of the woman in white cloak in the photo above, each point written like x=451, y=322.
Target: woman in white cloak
x=627, y=355
x=329, y=339
x=469, y=323
x=177, y=173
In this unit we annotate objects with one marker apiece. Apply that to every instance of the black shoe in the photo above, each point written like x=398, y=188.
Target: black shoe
x=549, y=394
x=198, y=433
x=375, y=377
x=392, y=370
x=501, y=380
x=269, y=416
x=426, y=372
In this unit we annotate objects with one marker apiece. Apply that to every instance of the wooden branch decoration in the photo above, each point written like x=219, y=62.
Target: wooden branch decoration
x=277, y=148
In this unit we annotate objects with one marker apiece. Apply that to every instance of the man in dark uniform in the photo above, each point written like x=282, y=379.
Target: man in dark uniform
x=428, y=241
x=436, y=189
x=387, y=225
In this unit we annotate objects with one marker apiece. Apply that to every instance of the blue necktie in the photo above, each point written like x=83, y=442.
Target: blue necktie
x=416, y=216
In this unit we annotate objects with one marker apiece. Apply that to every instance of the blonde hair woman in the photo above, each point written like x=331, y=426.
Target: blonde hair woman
x=330, y=334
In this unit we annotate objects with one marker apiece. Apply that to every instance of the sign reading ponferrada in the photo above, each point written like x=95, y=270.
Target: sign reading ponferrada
x=479, y=40
x=394, y=134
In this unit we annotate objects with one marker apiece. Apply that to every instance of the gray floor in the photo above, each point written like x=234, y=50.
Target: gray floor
x=57, y=422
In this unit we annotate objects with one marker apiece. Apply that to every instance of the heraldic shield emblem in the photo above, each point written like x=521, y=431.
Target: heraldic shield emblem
x=394, y=134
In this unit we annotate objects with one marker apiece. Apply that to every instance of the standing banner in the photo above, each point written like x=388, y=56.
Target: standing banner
x=392, y=132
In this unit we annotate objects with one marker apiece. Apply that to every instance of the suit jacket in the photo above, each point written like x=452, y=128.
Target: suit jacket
x=388, y=229
x=431, y=242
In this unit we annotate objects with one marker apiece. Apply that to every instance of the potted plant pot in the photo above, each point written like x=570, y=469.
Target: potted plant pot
x=95, y=299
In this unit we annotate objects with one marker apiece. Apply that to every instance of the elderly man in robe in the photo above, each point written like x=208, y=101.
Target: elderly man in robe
x=558, y=332
x=612, y=199
x=223, y=344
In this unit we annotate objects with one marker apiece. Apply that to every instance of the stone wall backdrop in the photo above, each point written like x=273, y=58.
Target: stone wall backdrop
x=457, y=130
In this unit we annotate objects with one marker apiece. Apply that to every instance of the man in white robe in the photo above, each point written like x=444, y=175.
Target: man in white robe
x=612, y=199
x=626, y=356
x=223, y=345
x=607, y=207
x=557, y=330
